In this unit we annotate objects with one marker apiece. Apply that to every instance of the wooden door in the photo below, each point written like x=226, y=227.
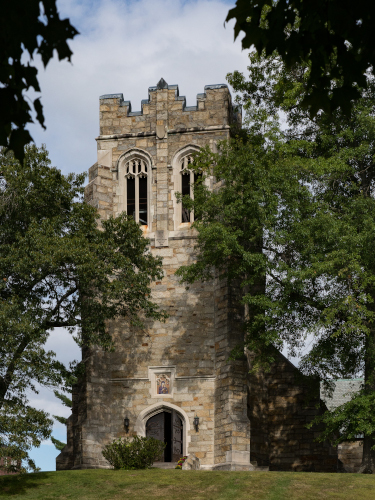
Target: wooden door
x=167, y=427
x=155, y=429
x=177, y=433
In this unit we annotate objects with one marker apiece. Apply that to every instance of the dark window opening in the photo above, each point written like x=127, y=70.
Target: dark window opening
x=143, y=201
x=185, y=191
x=197, y=177
x=130, y=195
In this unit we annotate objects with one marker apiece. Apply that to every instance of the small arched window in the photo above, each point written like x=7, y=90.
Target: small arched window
x=188, y=179
x=136, y=190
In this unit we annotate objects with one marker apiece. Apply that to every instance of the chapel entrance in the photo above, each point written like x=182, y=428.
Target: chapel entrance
x=167, y=426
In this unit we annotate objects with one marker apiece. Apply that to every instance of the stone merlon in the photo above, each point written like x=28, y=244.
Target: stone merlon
x=118, y=99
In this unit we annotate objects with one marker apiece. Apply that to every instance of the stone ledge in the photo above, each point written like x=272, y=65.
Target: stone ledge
x=182, y=130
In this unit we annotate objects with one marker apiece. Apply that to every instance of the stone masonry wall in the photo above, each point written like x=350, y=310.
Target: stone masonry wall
x=350, y=455
x=286, y=402
x=118, y=383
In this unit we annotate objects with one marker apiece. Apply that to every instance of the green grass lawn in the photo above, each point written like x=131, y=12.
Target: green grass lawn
x=192, y=485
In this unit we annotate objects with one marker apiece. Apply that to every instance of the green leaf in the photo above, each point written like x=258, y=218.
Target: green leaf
x=59, y=445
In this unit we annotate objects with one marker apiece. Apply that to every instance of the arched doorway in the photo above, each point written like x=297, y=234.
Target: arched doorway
x=167, y=426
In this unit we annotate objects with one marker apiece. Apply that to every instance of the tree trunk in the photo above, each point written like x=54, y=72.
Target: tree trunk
x=368, y=458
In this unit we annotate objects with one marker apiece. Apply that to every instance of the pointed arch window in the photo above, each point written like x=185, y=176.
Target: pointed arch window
x=136, y=191
x=188, y=179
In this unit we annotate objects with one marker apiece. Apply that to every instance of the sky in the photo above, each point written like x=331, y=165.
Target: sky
x=123, y=47
x=126, y=47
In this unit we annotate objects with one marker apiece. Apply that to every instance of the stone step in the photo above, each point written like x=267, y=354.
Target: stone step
x=165, y=465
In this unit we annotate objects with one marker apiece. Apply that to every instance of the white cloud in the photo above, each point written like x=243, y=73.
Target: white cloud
x=63, y=344
x=47, y=442
x=47, y=401
x=127, y=47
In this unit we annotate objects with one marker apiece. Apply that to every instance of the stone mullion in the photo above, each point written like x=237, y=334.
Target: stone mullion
x=192, y=194
x=137, y=198
x=125, y=194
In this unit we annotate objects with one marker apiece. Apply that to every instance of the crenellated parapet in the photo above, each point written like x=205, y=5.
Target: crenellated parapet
x=214, y=108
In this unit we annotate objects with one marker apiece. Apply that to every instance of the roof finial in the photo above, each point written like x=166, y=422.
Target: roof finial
x=162, y=84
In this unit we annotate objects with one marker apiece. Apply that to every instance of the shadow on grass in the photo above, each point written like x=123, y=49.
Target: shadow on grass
x=279, y=488
x=18, y=485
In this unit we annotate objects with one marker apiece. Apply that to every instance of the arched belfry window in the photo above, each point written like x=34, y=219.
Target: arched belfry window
x=188, y=179
x=136, y=172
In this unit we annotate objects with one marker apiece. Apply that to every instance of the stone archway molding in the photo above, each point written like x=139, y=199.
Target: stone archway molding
x=126, y=156
x=179, y=154
x=176, y=179
x=131, y=153
x=150, y=411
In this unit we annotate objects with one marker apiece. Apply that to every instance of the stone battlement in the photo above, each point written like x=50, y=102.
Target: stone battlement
x=214, y=108
x=151, y=90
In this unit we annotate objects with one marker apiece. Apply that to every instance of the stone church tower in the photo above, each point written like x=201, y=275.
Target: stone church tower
x=162, y=379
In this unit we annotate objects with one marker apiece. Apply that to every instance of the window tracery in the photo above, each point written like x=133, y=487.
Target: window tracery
x=136, y=172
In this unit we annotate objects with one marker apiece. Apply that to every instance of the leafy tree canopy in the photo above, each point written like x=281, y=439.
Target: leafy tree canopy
x=58, y=268
x=292, y=221
x=334, y=36
x=27, y=27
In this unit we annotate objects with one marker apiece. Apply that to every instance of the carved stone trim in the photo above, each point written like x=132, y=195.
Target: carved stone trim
x=160, y=131
x=168, y=374
x=161, y=238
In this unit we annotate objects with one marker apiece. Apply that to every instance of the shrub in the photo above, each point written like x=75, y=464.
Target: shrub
x=135, y=453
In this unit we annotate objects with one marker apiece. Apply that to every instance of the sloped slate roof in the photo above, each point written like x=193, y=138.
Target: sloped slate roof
x=343, y=392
